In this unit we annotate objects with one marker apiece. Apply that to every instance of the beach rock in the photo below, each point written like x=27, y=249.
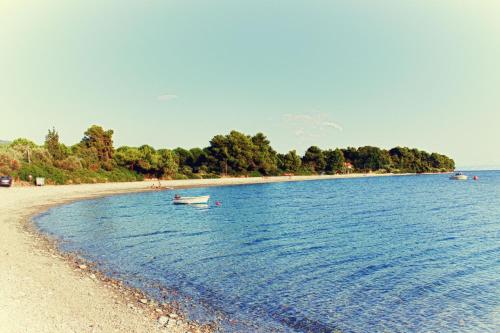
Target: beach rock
x=173, y=316
x=163, y=320
x=143, y=301
x=92, y=276
x=159, y=310
x=82, y=266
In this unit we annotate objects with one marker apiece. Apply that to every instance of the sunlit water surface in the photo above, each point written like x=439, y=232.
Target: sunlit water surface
x=388, y=254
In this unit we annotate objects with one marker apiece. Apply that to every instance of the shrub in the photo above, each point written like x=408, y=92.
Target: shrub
x=51, y=174
x=305, y=171
x=70, y=163
x=255, y=174
x=8, y=165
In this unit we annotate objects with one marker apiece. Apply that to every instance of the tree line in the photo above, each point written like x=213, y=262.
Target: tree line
x=95, y=159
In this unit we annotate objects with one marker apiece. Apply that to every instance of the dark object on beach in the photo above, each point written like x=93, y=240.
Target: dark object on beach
x=6, y=181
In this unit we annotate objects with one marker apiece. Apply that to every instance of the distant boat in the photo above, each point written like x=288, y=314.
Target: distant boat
x=459, y=176
x=178, y=200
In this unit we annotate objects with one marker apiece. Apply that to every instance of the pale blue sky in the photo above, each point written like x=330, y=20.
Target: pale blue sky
x=421, y=73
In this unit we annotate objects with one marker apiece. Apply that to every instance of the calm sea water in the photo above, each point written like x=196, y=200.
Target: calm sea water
x=388, y=254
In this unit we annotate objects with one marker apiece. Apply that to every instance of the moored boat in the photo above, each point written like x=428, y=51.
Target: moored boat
x=178, y=200
x=459, y=176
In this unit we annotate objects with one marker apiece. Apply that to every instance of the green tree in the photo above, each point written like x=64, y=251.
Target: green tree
x=128, y=157
x=264, y=158
x=314, y=159
x=372, y=158
x=149, y=160
x=334, y=161
x=232, y=153
x=198, y=160
x=185, y=158
x=24, y=146
x=56, y=150
x=289, y=162
x=167, y=163
x=97, y=146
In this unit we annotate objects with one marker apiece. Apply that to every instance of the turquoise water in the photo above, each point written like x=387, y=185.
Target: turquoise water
x=388, y=254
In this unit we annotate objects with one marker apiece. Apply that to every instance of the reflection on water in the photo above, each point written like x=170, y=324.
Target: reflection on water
x=391, y=254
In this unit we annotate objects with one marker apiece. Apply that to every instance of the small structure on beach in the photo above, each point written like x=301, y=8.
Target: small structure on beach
x=348, y=167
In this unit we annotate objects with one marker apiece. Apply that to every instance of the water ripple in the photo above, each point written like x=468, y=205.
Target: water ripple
x=392, y=254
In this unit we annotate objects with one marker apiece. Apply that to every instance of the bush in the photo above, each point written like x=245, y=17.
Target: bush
x=70, y=163
x=255, y=173
x=51, y=174
x=195, y=176
x=8, y=165
x=305, y=171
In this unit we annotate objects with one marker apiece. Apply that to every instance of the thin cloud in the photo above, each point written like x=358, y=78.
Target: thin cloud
x=311, y=125
x=333, y=125
x=167, y=97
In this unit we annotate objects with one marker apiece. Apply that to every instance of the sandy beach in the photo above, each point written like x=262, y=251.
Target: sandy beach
x=42, y=291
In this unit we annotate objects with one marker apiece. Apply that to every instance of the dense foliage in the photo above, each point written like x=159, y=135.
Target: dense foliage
x=94, y=159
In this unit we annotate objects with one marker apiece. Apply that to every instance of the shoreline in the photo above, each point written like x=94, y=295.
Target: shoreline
x=45, y=290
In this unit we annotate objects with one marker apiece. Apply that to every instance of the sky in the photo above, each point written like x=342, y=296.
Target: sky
x=333, y=73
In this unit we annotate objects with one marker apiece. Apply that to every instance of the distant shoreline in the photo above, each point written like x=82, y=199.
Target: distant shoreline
x=52, y=296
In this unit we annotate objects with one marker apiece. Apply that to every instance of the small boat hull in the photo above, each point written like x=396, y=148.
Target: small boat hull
x=459, y=177
x=191, y=200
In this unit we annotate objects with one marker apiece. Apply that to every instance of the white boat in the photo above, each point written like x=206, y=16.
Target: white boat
x=178, y=200
x=459, y=176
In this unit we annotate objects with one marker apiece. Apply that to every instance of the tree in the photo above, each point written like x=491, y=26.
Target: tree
x=52, y=144
x=232, y=153
x=290, y=162
x=372, y=158
x=218, y=154
x=334, y=161
x=198, y=160
x=148, y=161
x=128, y=157
x=24, y=146
x=314, y=159
x=97, y=145
x=184, y=157
x=167, y=163
x=264, y=155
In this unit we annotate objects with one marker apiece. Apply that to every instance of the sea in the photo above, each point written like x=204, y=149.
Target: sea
x=418, y=253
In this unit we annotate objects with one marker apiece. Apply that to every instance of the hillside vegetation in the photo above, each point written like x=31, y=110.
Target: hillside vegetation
x=95, y=159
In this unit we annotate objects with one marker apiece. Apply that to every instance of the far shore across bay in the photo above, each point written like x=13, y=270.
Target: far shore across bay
x=43, y=291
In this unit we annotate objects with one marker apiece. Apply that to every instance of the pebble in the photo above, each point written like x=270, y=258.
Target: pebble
x=159, y=310
x=173, y=315
x=92, y=276
x=82, y=266
x=162, y=320
x=143, y=301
